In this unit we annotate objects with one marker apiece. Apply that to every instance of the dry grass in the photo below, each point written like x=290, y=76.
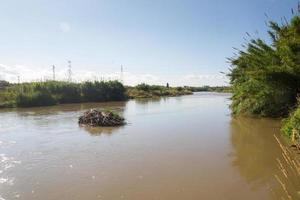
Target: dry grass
x=289, y=167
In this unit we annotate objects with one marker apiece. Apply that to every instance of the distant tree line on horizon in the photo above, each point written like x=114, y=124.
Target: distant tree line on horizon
x=61, y=92
x=206, y=88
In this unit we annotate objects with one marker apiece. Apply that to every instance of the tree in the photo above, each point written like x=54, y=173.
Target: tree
x=3, y=84
x=266, y=77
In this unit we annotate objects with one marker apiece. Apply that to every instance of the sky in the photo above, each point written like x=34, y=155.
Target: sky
x=182, y=42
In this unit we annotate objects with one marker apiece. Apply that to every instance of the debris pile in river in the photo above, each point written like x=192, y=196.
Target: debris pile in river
x=101, y=118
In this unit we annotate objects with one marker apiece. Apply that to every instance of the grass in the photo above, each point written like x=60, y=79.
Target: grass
x=288, y=177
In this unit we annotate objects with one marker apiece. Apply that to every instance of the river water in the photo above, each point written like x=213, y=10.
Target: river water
x=179, y=148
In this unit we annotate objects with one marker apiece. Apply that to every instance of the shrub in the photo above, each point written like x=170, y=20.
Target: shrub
x=291, y=125
x=59, y=92
x=35, y=99
x=103, y=91
x=266, y=77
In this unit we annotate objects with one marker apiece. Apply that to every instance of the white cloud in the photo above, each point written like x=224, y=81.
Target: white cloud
x=29, y=73
x=11, y=73
x=65, y=27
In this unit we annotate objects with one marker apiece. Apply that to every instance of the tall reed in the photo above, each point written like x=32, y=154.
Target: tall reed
x=288, y=177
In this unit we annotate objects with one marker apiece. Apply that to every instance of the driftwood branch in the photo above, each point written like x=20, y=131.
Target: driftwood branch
x=101, y=118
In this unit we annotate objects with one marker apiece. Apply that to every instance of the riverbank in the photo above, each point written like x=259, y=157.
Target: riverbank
x=154, y=91
x=219, y=89
x=59, y=92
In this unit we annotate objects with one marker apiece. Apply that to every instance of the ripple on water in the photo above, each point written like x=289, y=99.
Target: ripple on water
x=7, y=163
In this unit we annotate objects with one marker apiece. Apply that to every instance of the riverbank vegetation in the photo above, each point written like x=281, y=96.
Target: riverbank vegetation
x=59, y=92
x=291, y=125
x=265, y=77
x=222, y=89
x=152, y=91
x=288, y=177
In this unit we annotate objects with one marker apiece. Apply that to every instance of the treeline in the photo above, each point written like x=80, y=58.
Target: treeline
x=4, y=84
x=148, y=91
x=59, y=92
x=225, y=89
x=265, y=77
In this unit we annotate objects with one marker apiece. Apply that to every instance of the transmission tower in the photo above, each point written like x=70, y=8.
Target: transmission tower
x=121, y=75
x=69, y=71
x=53, y=71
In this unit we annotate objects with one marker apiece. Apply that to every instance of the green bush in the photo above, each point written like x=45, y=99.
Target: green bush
x=60, y=92
x=35, y=99
x=148, y=91
x=292, y=123
x=265, y=77
x=103, y=91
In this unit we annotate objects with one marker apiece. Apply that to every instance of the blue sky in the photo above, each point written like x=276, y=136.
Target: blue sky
x=184, y=42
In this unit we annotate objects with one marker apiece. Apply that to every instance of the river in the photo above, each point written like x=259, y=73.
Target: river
x=175, y=148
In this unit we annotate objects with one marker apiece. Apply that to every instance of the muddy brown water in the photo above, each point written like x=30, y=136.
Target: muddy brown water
x=177, y=148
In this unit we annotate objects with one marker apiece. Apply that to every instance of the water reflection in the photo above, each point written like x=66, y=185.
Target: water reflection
x=149, y=100
x=255, y=150
x=7, y=164
x=58, y=109
x=97, y=131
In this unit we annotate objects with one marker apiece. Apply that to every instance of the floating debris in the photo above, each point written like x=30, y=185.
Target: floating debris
x=101, y=118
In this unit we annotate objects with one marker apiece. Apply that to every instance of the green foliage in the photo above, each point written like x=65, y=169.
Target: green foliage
x=265, y=77
x=36, y=98
x=206, y=88
x=59, y=92
x=63, y=92
x=149, y=91
x=258, y=98
x=292, y=123
x=103, y=91
x=147, y=88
